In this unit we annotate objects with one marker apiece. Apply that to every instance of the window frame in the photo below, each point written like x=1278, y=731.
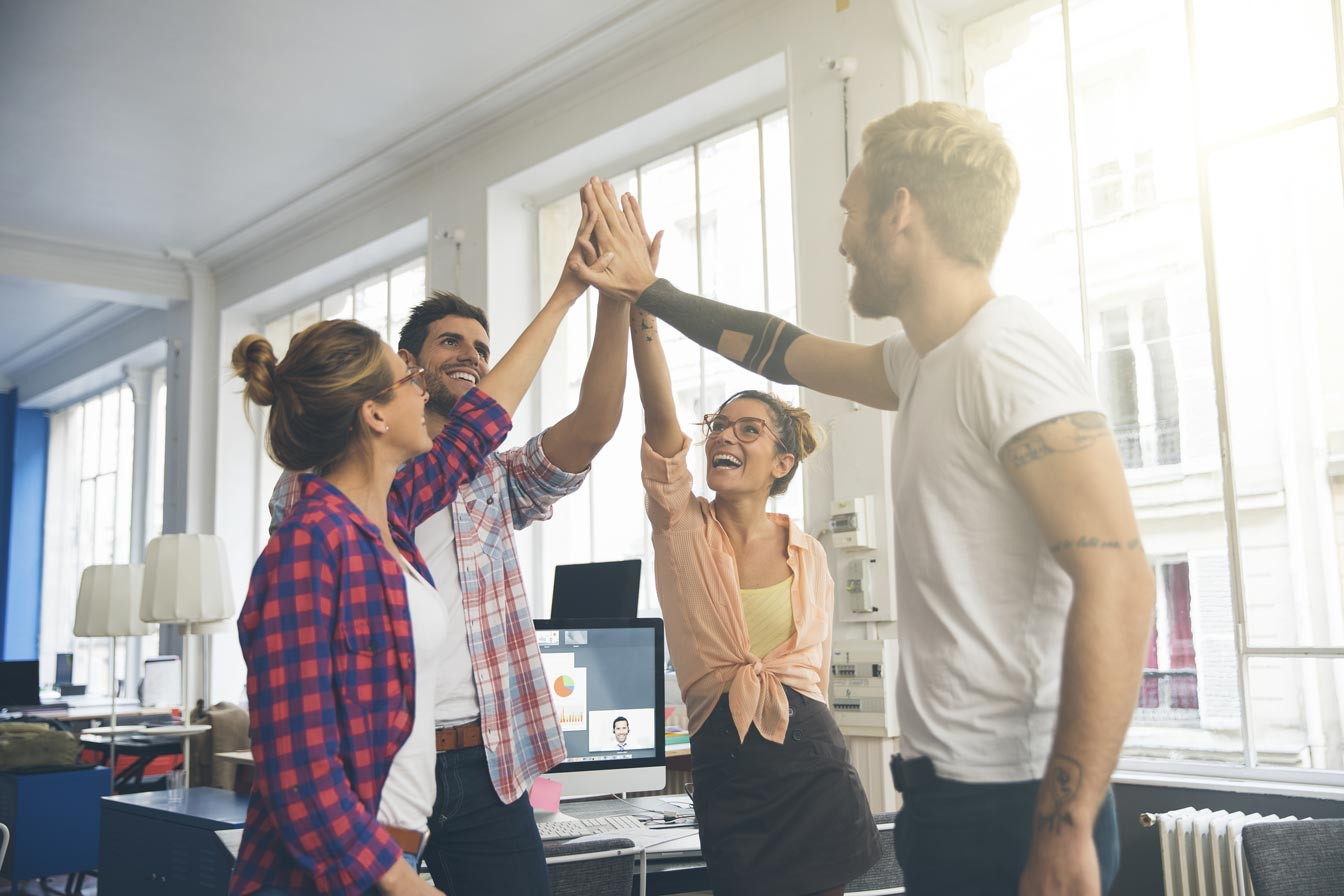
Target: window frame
x=1245, y=652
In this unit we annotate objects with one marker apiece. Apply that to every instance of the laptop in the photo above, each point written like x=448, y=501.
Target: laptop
x=608, y=590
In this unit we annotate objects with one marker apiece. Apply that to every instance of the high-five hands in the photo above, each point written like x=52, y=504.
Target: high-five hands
x=571, y=284
x=626, y=266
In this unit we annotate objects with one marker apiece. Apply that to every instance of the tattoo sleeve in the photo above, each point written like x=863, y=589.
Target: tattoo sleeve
x=1059, y=789
x=753, y=339
x=1062, y=435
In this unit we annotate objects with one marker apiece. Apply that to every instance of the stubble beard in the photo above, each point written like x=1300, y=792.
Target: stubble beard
x=876, y=292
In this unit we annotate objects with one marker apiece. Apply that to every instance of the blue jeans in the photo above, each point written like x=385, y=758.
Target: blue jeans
x=478, y=845
x=956, y=839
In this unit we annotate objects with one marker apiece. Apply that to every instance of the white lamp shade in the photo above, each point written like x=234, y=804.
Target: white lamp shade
x=186, y=580
x=109, y=601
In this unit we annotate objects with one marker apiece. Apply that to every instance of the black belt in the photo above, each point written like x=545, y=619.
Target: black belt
x=912, y=774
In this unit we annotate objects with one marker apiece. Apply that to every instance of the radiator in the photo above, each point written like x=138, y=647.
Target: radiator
x=1201, y=850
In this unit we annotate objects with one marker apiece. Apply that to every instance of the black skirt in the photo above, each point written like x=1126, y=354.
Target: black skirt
x=780, y=819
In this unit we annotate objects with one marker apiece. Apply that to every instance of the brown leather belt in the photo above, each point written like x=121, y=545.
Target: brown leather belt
x=412, y=842
x=458, y=737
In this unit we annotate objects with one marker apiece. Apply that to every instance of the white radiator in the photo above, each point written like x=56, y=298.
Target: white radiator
x=1201, y=850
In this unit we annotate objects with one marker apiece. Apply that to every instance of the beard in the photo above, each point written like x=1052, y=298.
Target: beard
x=877, y=289
x=443, y=396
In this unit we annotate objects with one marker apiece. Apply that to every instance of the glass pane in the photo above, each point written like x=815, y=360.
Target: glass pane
x=306, y=316
x=1015, y=72
x=338, y=306
x=408, y=290
x=371, y=304
x=104, y=518
x=667, y=195
x=93, y=431
x=779, y=216
x=110, y=438
x=1260, y=64
x=1298, y=711
x=1279, y=268
x=125, y=476
x=278, y=333
x=732, y=261
x=158, y=433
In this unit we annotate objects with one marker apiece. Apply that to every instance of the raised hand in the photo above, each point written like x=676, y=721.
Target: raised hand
x=625, y=268
x=571, y=284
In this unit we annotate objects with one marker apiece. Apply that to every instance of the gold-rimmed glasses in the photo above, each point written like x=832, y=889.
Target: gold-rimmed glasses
x=747, y=429
x=413, y=375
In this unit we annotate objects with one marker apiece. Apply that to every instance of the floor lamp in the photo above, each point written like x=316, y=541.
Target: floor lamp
x=109, y=606
x=186, y=582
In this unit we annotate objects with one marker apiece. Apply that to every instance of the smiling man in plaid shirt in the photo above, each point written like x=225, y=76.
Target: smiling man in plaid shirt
x=497, y=729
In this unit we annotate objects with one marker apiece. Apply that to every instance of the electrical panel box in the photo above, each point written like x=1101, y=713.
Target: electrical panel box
x=863, y=687
x=862, y=538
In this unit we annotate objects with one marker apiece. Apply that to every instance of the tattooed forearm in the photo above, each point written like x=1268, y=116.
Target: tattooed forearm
x=1062, y=435
x=1059, y=788
x=647, y=325
x=1086, y=542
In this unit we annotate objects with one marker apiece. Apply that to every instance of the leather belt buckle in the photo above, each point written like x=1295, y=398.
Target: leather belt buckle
x=459, y=737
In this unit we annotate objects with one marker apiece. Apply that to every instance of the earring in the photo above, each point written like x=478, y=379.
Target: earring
x=386, y=427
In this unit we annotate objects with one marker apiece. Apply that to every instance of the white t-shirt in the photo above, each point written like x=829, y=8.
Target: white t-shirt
x=981, y=602
x=456, y=700
x=408, y=795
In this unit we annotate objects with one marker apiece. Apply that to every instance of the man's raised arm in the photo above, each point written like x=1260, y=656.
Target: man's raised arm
x=762, y=343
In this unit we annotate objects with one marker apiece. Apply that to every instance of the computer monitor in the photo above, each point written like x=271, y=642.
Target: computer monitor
x=162, y=681
x=19, y=684
x=65, y=668
x=607, y=590
x=605, y=677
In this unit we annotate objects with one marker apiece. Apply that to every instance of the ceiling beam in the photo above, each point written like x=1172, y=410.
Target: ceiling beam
x=128, y=277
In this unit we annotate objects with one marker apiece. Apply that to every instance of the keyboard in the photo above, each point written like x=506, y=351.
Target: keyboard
x=570, y=828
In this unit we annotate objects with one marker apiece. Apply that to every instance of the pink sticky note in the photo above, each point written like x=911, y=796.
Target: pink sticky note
x=546, y=795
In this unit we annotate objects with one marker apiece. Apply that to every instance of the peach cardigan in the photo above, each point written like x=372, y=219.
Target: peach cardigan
x=696, y=577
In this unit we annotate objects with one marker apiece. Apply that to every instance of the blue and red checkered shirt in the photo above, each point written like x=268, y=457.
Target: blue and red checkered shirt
x=326, y=634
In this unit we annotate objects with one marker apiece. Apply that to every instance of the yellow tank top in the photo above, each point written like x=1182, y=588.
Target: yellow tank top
x=769, y=615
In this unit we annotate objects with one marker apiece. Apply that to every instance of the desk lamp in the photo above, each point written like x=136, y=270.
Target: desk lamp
x=109, y=606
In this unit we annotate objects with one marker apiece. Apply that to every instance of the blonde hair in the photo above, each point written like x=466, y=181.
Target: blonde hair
x=315, y=393
x=798, y=433
x=955, y=162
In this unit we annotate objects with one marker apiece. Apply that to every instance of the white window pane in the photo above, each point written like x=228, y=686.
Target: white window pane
x=93, y=431
x=779, y=216
x=158, y=433
x=1016, y=74
x=1298, y=712
x=338, y=306
x=1278, y=268
x=125, y=472
x=667, y=196
x=732, y=265
x=408, y=290
x=278, y=333
x=306, y=316
x=371, y=304
x=1260, y=64
x=110, y=437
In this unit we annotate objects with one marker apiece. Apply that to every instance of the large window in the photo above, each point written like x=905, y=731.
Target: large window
x=382, y=300
x=89, y=505
x=1181, y=219
x=726, y=206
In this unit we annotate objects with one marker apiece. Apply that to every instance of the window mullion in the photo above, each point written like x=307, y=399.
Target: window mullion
x=699, y=264
x=1077, y=184
x=1236, y=575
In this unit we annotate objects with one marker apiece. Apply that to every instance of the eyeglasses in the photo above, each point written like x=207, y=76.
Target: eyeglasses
x=747, y=429
x=413, y=375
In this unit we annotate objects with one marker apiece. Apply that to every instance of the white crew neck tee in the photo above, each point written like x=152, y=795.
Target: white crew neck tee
x=981, y=602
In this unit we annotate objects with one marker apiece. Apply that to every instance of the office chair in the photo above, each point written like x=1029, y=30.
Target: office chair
x=1301, y=858
x=597, y=868
x=886, y=876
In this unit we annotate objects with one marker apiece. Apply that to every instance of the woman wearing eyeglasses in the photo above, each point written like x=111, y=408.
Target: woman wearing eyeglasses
x=328, y=622
x=747, y=601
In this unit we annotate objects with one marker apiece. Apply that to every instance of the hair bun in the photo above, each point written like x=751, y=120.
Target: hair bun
x=254, y=362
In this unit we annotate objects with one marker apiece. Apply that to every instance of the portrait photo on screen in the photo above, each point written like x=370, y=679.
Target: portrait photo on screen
x=620, y=730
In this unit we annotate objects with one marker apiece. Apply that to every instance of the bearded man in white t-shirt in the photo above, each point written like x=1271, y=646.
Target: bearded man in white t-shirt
x=1024, y=597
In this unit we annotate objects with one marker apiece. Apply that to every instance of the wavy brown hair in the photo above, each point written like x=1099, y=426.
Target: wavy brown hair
x=798, y=433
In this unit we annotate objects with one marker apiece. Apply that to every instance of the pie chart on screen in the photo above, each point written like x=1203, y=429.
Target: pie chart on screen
x=564, y=685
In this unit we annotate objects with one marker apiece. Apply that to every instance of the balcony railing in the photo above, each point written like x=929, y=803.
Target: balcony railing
x=1149, y=445
x=1169, y=689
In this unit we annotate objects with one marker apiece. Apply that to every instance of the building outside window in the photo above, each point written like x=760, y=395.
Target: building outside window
x=1180, y=221
x=726, y=206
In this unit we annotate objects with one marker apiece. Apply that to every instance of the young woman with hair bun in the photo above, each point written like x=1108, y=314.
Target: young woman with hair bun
x=326, y=628
x=747, y=600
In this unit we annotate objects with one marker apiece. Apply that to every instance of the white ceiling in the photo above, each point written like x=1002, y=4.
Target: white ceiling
x=179, y=122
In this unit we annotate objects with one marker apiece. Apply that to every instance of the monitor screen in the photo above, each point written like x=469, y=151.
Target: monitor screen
x=18, y=683
x=65, y=668
x=607, y=590
x=605, y=678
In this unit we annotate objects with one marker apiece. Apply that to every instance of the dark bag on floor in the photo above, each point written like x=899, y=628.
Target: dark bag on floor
x=31, y=744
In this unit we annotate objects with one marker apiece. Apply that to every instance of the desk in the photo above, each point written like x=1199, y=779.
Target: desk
x=676, y=875
x=145, y=747
x=151, y=845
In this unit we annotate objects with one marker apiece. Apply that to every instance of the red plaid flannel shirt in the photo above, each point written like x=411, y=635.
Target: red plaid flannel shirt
x=326, y=634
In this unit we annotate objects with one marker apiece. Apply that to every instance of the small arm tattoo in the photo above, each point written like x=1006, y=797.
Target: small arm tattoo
x=1086, y=542
x=1062, y=435
x=648, y=326
x=1059, y=789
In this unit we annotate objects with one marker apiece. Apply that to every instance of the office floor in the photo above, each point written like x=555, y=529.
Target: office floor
x=55, y=884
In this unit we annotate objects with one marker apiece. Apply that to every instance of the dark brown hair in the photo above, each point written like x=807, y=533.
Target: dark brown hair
x=797, y=432
x=438, y=306
x=315, y=393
